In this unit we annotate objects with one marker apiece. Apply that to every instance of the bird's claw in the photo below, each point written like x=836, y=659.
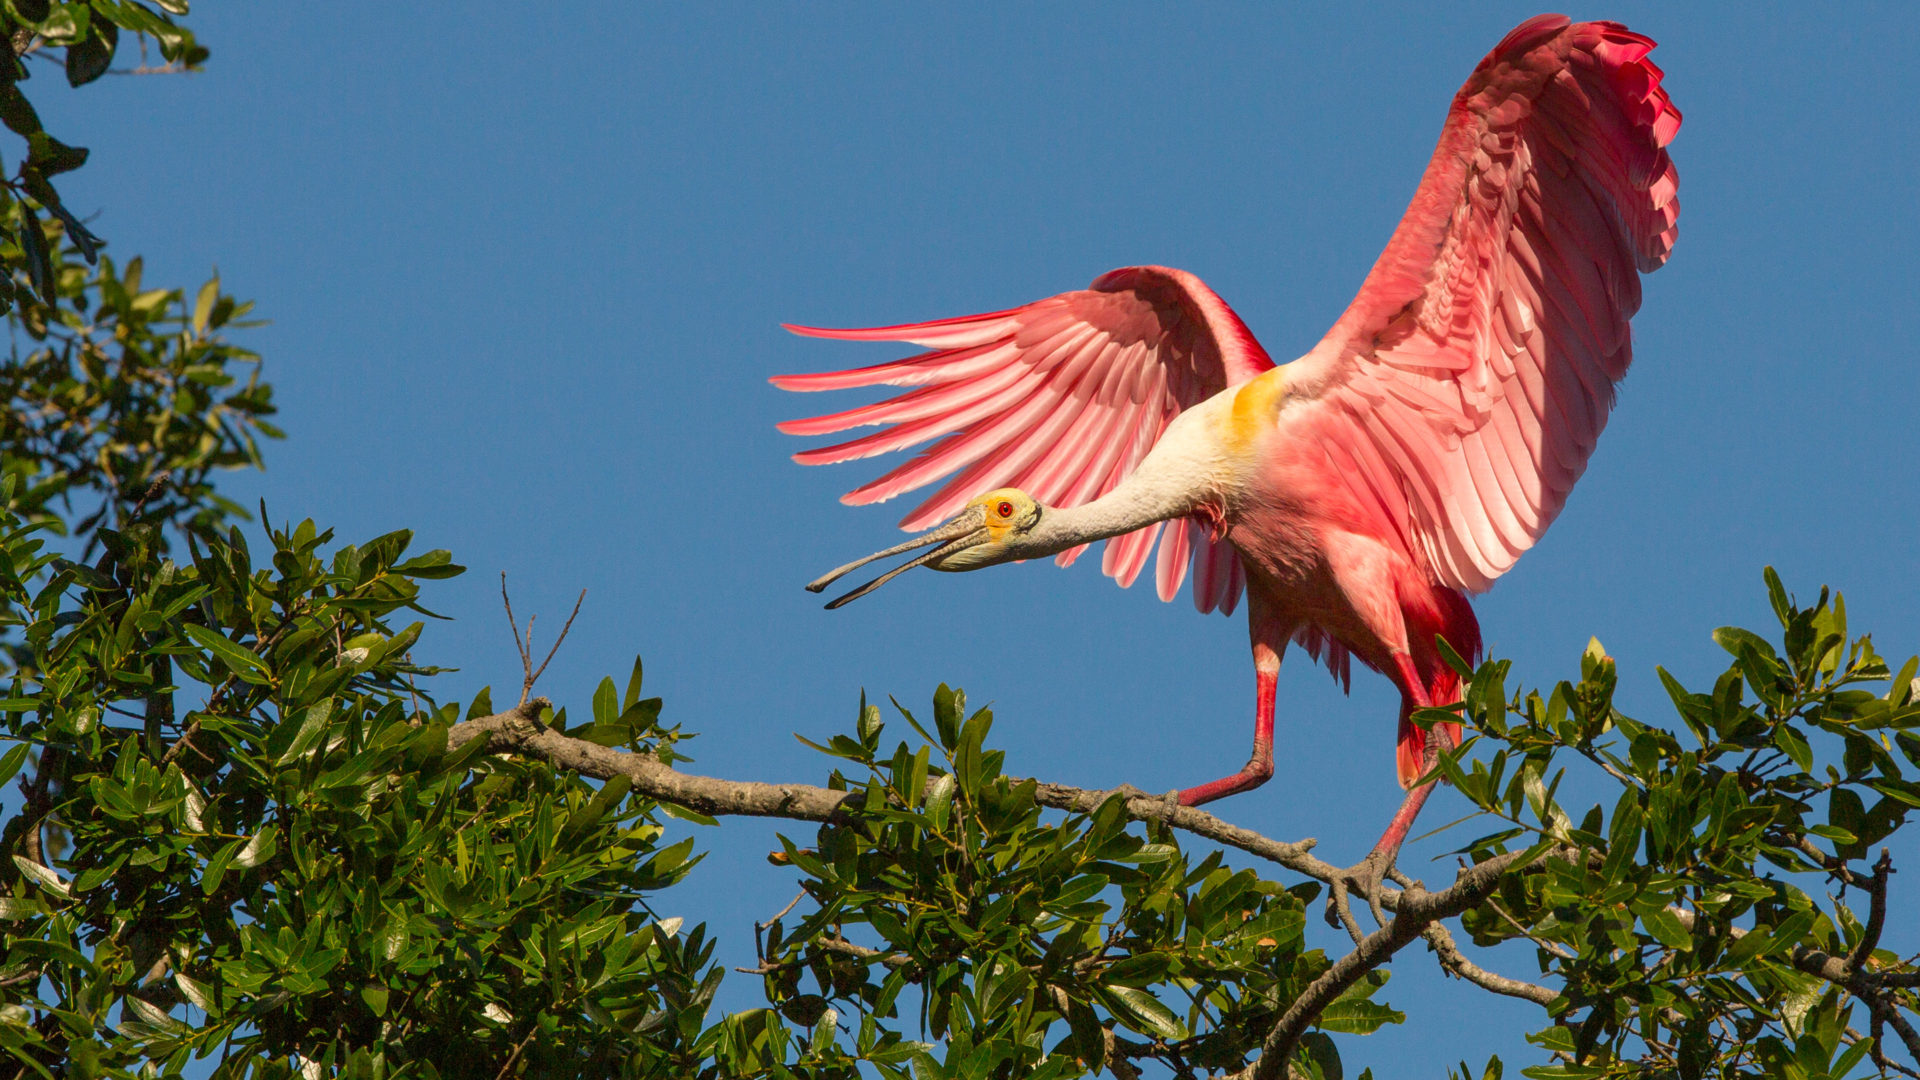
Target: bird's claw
x=1363, y=878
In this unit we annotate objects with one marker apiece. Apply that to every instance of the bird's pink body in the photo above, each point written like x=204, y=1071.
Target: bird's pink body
x=1359, y=493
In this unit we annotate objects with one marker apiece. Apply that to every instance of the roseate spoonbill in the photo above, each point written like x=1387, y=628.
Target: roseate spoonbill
x=1359, y=493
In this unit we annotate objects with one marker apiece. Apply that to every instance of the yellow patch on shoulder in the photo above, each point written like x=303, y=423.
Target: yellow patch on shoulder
x=1255, y=405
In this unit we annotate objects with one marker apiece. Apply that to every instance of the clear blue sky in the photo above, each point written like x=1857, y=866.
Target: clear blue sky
x=525, y=264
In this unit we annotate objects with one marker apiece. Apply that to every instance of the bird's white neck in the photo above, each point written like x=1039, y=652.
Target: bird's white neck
x=1184, y=470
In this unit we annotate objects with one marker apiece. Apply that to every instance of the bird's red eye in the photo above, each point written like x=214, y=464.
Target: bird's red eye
x=1005, y=508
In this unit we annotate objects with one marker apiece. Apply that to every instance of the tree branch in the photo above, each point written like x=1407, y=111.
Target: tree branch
x=520, y=730
x=1453, y=960
x=1870, y=988
x=1417, y=910
x=1876, y=888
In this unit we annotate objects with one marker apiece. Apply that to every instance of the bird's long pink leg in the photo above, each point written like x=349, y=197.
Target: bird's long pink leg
x=1365, y=877
x=1402, y=823
x=1259, y=767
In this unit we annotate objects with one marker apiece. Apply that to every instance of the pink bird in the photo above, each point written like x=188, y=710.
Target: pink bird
x=1359, y=493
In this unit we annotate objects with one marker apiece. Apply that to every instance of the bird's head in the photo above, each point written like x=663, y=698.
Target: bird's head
x=991, y=529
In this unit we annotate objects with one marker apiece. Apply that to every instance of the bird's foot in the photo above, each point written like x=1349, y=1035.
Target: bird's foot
x=1363, y=878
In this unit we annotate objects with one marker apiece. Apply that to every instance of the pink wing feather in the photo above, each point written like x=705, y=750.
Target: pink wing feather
x=1462, y=392
x=1061, y=398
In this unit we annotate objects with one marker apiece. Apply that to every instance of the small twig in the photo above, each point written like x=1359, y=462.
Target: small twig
x=1853, y=1037
x=164, y=69
x=517, y=1048
x=1832, y=864
x=1889, y=1013
x=531, y=674
x=831, y=943
x=761, y=927
x=1877, y=912
x=38, y=804
x=184, y=742
x=526, y=657
x=159, y=482
x=413, y=693
x=535, y=677
x=782, y=913
x=1453, y=960
x=1553, y=947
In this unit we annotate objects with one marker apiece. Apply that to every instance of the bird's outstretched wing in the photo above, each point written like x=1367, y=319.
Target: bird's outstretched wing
x=1463, y=390
x=1061, y=398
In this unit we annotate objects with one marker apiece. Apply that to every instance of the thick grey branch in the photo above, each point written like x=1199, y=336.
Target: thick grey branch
x=519, y=730
x=1418, y=909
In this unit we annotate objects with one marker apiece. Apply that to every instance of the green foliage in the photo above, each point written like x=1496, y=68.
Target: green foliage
x=299, y=857
x=110, y=386
x=82, y=37
x=1688, y=923
x=1028, y=946
x=119, y=384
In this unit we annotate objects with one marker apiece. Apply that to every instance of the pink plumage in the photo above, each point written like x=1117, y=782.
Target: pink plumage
x=1062, y=397
x=1357, y=494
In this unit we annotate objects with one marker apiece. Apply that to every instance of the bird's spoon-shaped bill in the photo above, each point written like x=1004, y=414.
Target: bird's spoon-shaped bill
x=965, y=530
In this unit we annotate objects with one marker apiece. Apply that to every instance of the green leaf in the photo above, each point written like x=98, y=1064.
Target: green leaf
x=1848, y=815
x=1667, y=929
x=216, y=868
x=313, y=725
x=89, y=59
x=237, y=658
x=33, y=243
x=13, y=907
x=1089, y=1037
x=946, y=716
x=606, y=702
x=1142, y=1012
x=258, y=849
x=11, y=761
x=64, y=23
x=1356, y=1016
x=203, y=305
x=1777, y=595
x=197, y=993
x=940, y=801
x=1795, y=746
x=634, y=682
x=46, y=878
x=1733, y=638
x=685, y=814
x=1325, y=1056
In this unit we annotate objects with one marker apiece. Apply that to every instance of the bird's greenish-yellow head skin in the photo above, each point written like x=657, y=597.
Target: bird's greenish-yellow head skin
x=986, y=532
